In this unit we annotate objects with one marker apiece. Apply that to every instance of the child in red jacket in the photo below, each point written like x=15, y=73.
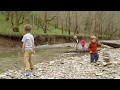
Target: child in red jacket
x=92, y=47
x=82, y=42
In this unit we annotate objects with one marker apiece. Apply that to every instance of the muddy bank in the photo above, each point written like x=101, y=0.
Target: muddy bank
x=15, y=40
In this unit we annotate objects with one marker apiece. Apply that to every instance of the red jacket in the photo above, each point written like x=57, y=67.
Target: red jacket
x=92, y=47
x=82, y=42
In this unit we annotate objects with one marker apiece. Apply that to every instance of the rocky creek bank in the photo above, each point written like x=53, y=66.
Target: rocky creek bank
x=108, y=67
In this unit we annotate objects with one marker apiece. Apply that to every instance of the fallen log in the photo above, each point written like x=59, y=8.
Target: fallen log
x=114, y=44
x=75, y=51
x=78, y=51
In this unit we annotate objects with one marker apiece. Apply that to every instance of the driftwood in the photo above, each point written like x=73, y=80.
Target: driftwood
x=77, y=51
x=114, y=44
x=80, y=51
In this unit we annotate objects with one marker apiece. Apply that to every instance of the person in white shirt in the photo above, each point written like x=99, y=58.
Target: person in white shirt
x=76, y=43
x=28, y=47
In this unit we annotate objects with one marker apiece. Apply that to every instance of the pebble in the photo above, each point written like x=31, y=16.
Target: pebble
x=73, y=68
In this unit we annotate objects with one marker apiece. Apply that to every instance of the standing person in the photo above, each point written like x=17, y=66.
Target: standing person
x=76, y=42
x=94, y=56
x=28, y=47
x=82, y=42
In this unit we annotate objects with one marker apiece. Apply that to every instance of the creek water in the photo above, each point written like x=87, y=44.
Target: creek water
x=12, y=58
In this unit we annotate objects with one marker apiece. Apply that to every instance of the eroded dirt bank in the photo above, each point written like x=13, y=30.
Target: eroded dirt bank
x=15, y=40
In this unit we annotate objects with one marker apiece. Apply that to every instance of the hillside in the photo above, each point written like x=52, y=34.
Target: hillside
x=6, y=28
x=64, y=29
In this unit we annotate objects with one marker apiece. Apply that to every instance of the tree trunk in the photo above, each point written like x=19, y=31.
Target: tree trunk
x=8, y=14
x=57, y=20
x=96, y=28
x=66, y=26
x=16, y=27
x=69, y=21
x=76, y=23
x=45, y=25
x=45, y=28
x=62, y=28
x=29, y=17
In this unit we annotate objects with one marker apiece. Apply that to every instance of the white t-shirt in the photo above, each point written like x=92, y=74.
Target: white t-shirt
x=28, y=39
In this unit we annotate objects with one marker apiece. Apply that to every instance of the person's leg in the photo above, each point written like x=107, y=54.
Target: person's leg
x=30, y=60
x=83, y=48
x=92, y=58
x=76, y=46
x=26, y=60
x=96, y=57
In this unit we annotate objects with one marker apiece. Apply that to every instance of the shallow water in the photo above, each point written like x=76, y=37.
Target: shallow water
x=13, y=58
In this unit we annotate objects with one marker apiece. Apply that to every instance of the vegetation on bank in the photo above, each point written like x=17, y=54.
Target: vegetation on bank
x=67, y=23
x=6, y=28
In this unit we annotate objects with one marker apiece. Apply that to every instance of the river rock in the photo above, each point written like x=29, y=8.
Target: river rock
x=106, y=56
x=117, y=77
x=73, y=68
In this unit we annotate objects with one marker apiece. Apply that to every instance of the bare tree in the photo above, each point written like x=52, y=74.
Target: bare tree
x=8, y=15
x=16, y=18
x=98, y=23
x=57, y=20
x=69, y=22
x=76, y=23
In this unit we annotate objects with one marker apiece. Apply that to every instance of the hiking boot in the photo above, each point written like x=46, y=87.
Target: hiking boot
x=96, y=63
x=27, y=69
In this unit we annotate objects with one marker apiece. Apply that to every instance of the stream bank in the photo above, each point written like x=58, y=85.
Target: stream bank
x=14, y=41
x=72, y=67
x=12, y=58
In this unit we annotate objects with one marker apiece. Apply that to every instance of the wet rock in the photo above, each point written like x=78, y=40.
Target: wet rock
x=106, y=56
x=99, y=74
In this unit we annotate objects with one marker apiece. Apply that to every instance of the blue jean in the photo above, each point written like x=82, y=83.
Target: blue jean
x=94, y=57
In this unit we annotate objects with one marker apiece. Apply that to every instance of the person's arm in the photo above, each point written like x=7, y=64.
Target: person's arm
x=23, y=47
x=89, y=47
x=77, y=41
x=33, y=46
x=99, y=44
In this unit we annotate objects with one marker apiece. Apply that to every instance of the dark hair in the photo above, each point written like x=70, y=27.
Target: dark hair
x=28, y=27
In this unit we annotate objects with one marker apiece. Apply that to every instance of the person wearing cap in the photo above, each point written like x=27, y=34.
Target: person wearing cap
x=92, y=47
x=28, y=47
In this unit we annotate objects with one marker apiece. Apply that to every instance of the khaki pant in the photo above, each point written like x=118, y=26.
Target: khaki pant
x=27, y=59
